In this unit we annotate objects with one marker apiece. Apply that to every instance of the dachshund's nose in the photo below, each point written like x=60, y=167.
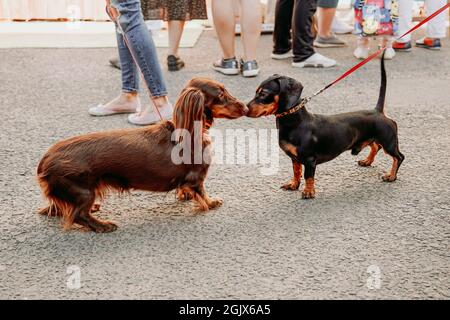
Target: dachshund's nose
x=245, y=110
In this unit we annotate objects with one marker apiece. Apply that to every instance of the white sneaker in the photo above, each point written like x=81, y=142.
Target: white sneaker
x=389, y=54
x=340, y=27
x=316, y=61
x=153, y=117
x=361, y=52
x=281, y=56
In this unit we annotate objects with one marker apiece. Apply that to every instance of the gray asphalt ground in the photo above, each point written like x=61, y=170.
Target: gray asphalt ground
x=263, y=242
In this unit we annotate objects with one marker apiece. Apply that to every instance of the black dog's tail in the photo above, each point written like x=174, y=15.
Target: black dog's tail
x=382, y=97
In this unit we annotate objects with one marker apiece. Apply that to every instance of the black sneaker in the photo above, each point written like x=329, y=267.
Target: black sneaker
x=227, y=66
x=174, y=63
x=249, y=68
x=115, y=62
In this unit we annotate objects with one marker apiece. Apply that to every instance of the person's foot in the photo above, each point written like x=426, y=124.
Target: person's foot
x=361, y=52
x=281, y=56
x=402, y=46
x=227, y=66
x=150, y=116
x=249, y=68
x=340, y=27
x=115, y=62
x=316, y=61
x=429, y=43
x=329, y=42
x=125, y=103
x=389, y=53
x=174, y=63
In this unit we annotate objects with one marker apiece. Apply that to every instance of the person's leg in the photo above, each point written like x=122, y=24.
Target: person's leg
x=128, y=100
x=251, y=23
x=174, y=62
x=436, y=27
x=302, y=38
x=143, y=49
x=282, y=30
x=224, y=23
x=362, y=48
x=326, y=9
x=387, y=42
x=405, y=12
x=175, y=32
x=304, y=55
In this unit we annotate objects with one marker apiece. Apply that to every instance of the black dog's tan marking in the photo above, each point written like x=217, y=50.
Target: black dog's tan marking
x=311, y=139
x=295, y=182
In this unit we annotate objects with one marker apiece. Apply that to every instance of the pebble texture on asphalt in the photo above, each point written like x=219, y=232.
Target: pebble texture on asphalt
x=263, y=242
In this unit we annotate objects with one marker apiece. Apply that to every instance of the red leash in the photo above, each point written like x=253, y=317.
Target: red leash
x=373, y=55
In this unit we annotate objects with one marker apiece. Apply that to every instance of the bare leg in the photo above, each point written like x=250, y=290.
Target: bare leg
x=224, y=22
x=251, y=21
x=175, y=32
x=325, y=18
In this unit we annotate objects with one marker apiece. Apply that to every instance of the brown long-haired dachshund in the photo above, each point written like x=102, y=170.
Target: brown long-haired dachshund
x=77, y=171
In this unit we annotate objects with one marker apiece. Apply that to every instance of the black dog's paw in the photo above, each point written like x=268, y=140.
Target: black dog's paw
x=364, y=163
x=292, y=186
x=389, y=178
x=308, y=194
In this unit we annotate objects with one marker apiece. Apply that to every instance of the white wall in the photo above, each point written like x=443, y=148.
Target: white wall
x=52, y=9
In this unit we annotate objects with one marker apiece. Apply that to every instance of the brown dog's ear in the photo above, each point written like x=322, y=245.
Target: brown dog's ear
x=188, y=112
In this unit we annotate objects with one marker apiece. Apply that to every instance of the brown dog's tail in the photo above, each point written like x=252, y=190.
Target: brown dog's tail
x=56, y=206
x=382, y=96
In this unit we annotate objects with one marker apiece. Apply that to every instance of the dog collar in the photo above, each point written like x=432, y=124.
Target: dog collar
x=294, y=109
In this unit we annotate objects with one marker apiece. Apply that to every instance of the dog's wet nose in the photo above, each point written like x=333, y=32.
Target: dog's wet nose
x=245, y=110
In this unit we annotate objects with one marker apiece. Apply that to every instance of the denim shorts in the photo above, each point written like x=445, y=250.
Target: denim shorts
x=327, y=3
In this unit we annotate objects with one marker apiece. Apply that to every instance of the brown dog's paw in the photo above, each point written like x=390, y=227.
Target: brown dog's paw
x=364, y=163
x=292, y=186
x=214, y=203
x=308, y=194
x=105, y=227
x=95, y=207
x=184, y=194
x=389, y=178
x=51, y=211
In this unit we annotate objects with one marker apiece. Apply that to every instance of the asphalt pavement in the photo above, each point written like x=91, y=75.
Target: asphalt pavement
x=360, y=238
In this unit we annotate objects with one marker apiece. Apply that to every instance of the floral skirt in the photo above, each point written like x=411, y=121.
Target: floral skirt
x=174, y=9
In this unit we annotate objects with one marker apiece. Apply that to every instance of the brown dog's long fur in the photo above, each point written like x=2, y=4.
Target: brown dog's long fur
x=77, y=171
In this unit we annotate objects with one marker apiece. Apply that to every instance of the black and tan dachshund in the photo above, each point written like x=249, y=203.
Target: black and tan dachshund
x=311, y=139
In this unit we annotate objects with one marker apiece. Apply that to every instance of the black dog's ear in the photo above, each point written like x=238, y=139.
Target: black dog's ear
x=290, y=93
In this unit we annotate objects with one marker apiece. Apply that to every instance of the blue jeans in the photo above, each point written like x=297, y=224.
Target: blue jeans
x=142, y=46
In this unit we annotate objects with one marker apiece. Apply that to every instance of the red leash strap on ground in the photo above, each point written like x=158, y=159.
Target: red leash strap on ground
x=373, y=55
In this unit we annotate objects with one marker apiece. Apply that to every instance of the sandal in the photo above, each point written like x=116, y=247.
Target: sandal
x=174, y=63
